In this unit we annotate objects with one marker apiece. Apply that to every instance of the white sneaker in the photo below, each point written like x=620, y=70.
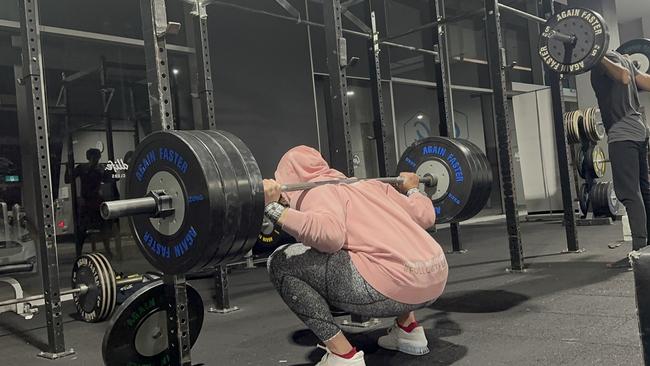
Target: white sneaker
x=414, y=343
x=330, y=359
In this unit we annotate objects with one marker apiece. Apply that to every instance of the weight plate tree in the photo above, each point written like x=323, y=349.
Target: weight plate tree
x=137, y=333
x=463, y=172
x=639, y=52
x=573, y=41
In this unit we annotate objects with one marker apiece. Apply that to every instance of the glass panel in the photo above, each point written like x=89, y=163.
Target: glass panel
x=403, y=16
x=364, y=148
x=115, y=17
x=467, y=45
x=416, y=117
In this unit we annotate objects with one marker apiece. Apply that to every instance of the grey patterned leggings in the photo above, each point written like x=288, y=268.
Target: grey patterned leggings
x=310, y=282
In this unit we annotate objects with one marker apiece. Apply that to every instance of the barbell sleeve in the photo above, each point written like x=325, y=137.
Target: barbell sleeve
x=135, y=206
x=20, y=300
x=130, y=280
x=564, y=38
x=82, y=289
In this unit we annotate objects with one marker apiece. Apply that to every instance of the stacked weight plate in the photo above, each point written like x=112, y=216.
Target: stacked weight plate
x=593, y=127
x=463, y=171
x=603, y=200
x=98, y=302
x=591, y=162
x=217, y=195
x=572, y=122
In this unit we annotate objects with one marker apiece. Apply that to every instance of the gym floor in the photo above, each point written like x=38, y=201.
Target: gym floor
x=566, y=309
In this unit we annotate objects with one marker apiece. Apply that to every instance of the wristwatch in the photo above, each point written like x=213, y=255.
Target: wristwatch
x=273, y=211
x=412, y=191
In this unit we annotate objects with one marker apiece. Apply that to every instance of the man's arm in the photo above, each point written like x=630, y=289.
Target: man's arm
x=643, y=81
x=616, y=71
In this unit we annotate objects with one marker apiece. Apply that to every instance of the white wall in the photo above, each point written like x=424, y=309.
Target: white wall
x=630, y=30
x=536, y=150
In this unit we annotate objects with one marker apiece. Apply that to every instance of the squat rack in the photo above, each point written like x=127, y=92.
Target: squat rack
x=155, y=27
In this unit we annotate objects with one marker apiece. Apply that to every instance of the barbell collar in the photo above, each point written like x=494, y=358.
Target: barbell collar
x=564, y=38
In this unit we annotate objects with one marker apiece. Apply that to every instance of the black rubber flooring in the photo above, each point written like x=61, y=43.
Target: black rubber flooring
x=566, y=309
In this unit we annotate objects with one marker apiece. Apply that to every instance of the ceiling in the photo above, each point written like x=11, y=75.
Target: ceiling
x=632, y=9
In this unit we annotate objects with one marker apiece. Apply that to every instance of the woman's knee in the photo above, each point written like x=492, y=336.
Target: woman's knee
x=279, y=264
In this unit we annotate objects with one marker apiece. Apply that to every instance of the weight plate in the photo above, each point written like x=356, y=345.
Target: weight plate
x=581, y=164
x=591, y=41
x=457, y=196
x=584, y=199
x=484, y=181
x=233, y=198
x=253, y=184
x=594, y=199
x=242, y=185
x=88, y=271
x=137, y=333
x=183, y=251
x=111, y=285
x=639, y=52
x=598, y=164
x=108, y=299
x=613, y=200
x=598, y=125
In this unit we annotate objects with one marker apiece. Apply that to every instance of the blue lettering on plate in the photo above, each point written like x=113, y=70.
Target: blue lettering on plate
x=155, y=247
x=195, y=198
x=410, y=162
x=173, y=157
x=144, y=164
x=181, y=248
x=434, y=150
x=454, y=199
x=456, y=167
x=438, y=210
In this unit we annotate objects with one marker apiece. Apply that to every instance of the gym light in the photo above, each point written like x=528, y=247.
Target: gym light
x=175, y=71
x=420, y=116
x=350, y=93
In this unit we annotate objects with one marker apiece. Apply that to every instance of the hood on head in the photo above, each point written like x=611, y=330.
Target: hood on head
x=303, y=164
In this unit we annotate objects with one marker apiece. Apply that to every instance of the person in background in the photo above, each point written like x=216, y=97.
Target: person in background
x=91, y=176
x=617, y=82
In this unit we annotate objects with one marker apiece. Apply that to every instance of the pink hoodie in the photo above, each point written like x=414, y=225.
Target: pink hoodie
x=382, y=229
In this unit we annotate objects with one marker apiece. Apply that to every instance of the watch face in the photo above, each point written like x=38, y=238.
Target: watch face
x=100, y=146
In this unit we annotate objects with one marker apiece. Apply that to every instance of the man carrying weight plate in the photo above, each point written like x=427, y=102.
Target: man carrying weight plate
x=616, y=82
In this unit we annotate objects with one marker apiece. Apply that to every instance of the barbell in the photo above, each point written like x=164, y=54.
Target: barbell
x=573, y=41
x=158, y=204
x=195, y=199
x=94, y=288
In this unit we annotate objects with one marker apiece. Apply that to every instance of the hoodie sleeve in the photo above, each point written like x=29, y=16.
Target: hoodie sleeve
x=417, y=205
x=320, y=223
